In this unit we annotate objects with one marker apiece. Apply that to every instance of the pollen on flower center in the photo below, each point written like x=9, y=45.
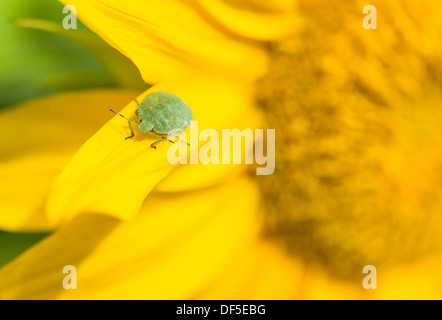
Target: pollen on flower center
x=357, y=115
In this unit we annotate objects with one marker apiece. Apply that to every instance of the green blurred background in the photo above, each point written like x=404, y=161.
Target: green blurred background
x=35, y=62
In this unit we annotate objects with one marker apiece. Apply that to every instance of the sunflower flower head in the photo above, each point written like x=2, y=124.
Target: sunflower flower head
x=357, y=114
x=357, y=179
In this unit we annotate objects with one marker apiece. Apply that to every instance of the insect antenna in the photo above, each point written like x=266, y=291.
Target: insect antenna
x=119, y=114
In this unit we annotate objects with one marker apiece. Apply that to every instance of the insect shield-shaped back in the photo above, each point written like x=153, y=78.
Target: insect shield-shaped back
x=165, y=111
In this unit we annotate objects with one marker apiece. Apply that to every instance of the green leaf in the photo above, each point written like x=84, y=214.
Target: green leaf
x=32, y=60
x=13, y=244
x=124, y=72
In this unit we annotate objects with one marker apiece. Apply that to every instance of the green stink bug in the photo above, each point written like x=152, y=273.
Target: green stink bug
x=161, y=114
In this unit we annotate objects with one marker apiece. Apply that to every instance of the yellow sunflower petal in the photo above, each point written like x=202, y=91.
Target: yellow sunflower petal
x=173, y=249
x=36, y=141
x=216, y=104
x=112, y=175
x=414, y=280
x=260, y=272
x=267, y=5
x=170, y=38
x=263, y=271
x=109, y=174
x=251, y=21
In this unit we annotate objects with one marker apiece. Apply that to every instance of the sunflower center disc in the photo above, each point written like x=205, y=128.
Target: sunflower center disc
x=358, y=119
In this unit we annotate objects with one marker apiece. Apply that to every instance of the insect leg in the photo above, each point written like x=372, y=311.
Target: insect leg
x=159, y=135
x=156, y=142
x=130, y=121
x=180, y=139
x=131, y=131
